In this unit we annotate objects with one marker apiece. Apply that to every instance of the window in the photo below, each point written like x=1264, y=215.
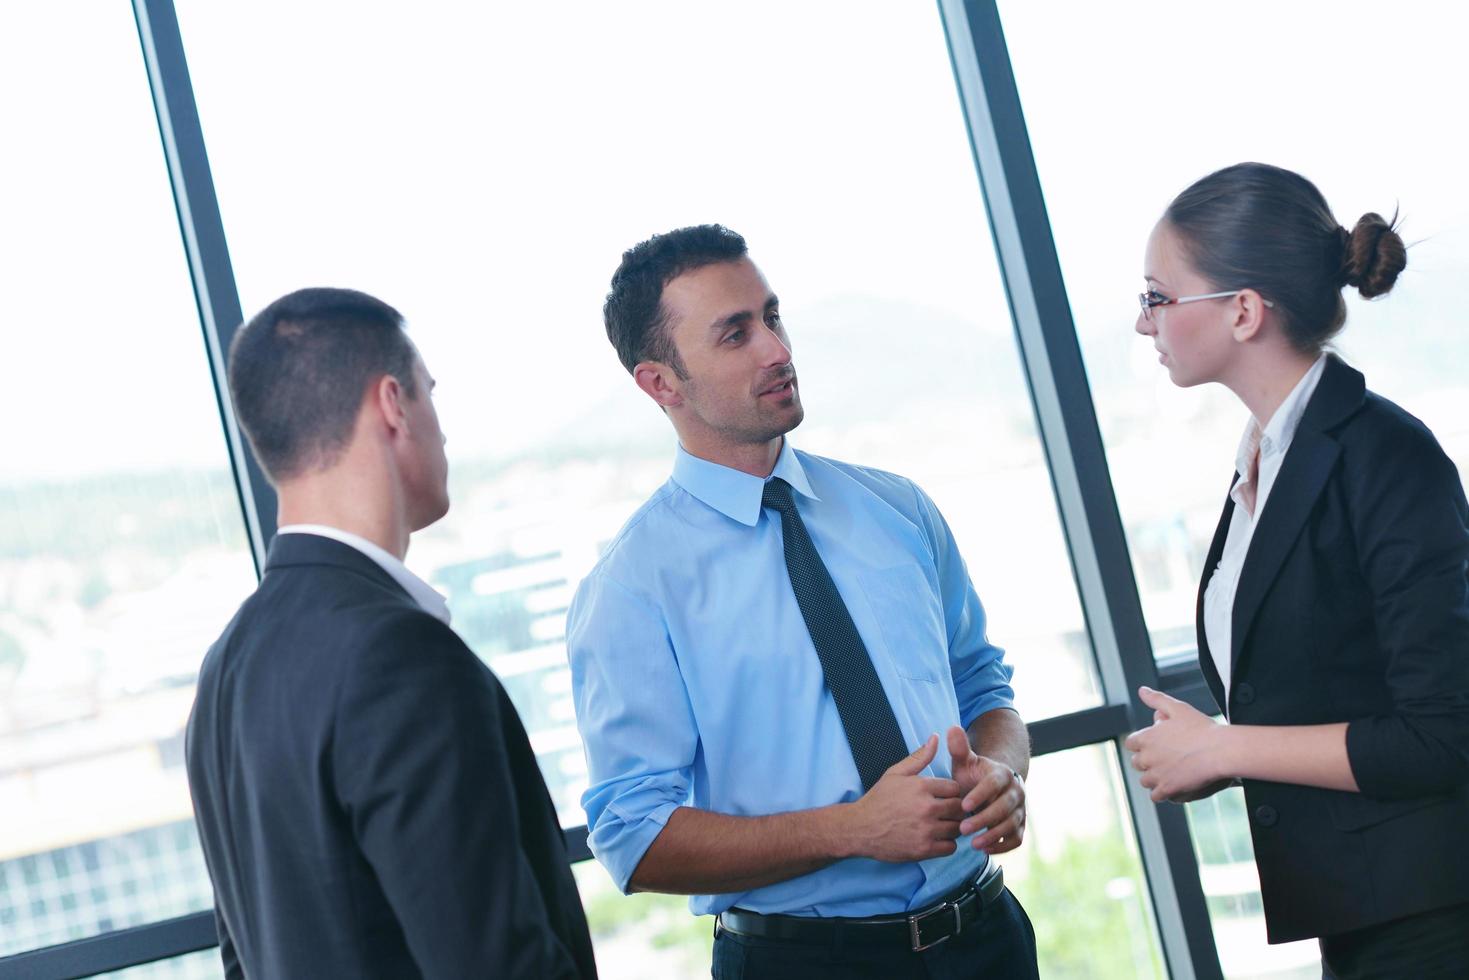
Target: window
x=484, y=170
x=1078, y=873
x=500, y=260
x=203, y=965
x=1221, y=832
x=1163, y=106
x=1172, y=92
x=1078, y=876
x=122, y=550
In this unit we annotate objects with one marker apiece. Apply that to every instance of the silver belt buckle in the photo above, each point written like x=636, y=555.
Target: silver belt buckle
x=914, y=926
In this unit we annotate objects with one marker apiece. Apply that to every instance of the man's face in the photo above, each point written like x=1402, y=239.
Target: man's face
x=425, y=467
x=741, y=387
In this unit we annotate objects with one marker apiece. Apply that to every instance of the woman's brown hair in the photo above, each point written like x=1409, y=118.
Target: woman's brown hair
x=1254, y=226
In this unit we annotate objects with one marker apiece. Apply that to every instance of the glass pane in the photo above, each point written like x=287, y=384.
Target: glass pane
x=1078, y=876
x=1172, y=92
x=483, y=168
x=203, y=965
x=1078, y=873
x=643, y=936
x=1221, y=833
x=122, y=550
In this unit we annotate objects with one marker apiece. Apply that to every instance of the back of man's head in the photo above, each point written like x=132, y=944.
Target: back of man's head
x=299, y=369
x=634, y=316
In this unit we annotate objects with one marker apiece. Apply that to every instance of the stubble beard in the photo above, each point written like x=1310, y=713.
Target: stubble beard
x=757, y=425
x=771, y=429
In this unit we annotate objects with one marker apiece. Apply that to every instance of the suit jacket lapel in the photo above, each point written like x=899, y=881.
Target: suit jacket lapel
x=1216, y=550
x=1303, y=475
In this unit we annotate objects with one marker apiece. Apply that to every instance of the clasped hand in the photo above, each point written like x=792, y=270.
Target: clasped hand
x=1177, y=754
x=910, y=817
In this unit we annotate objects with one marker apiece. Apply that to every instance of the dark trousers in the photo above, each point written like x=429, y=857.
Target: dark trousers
x=1000, y=947
x=1428, y=946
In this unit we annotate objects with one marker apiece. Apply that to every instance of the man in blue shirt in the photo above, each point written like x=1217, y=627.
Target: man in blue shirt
x=766, y=660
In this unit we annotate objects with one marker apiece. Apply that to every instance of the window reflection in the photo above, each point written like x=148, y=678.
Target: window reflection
x=1221, y=833
x=122, y=550
x=495, y=208
x=1078, y=873
x=1170, y=451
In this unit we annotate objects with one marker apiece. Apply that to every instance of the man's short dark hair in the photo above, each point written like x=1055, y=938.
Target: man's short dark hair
x=299, y=368
x=637, y=323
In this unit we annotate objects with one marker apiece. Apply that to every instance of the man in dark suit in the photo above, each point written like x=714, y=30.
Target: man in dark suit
x=367, y=800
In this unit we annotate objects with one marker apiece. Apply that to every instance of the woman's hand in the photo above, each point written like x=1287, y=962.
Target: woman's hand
x=1178, y=754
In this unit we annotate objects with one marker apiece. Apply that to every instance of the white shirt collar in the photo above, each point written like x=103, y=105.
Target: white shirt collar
x=418, y=590
x=1275, y=438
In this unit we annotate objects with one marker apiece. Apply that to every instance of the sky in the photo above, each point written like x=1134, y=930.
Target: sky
x=483, y=166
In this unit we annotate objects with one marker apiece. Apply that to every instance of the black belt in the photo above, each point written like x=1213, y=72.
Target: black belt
x=951, y=915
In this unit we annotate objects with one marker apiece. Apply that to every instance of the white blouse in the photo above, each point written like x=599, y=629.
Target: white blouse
x=1261, y=451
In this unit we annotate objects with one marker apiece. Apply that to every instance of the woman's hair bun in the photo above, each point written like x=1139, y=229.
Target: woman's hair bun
x=1373, y=255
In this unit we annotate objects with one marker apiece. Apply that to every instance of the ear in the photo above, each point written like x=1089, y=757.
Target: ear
x=1247, y=313
x=387, y=398
x=659, y=383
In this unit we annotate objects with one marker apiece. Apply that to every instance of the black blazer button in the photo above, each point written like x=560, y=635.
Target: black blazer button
x=1244, y=694
x=1266, y=816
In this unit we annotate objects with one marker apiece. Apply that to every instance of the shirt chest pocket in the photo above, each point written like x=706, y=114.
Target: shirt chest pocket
x=910, y=621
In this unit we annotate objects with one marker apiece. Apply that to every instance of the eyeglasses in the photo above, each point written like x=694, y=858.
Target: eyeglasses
x=1153, y=298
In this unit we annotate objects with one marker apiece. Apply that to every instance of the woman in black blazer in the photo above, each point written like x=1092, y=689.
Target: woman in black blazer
x=1333, y=616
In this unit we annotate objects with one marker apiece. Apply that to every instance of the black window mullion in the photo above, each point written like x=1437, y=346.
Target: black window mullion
x=1066, y=418
x=208, y=254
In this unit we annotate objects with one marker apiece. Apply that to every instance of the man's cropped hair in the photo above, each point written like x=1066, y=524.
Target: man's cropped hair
x=637, y=323
x=299, y=369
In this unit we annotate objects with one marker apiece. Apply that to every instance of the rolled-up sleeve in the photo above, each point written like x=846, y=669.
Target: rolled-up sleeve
x=1413, y=538
x=636, y=723
x=981, y=675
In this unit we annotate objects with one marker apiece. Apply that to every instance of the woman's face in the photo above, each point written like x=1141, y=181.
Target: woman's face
x=1194, y=340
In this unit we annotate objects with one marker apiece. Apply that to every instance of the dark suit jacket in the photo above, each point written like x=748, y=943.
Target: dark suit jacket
x=367, y=800
x=1353, y=606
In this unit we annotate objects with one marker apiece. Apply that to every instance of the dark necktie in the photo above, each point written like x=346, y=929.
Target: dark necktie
x=872, y=730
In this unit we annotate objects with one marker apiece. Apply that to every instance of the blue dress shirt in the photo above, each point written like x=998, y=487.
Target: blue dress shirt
x=696, y=682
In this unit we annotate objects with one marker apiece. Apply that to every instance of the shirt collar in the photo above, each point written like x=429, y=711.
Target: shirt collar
x=1281, y=428
x=1275, y=438
x=732, y=492
x=418, y=590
